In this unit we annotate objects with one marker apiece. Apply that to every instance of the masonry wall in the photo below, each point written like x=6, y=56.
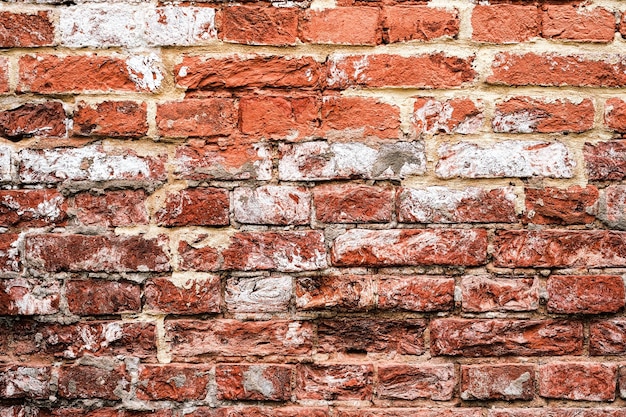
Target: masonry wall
x=361, y=208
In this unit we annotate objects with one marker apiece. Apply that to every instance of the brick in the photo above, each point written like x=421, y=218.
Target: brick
x=179, y=25
x=88, y=163
x=347, y=203
x=375, y=248
x=504, y=337
x=106, y=380
x=48, y=74
x=607, y=337
x=621, y=381
x=362, y=336
x=100, y=412
x=4, y=75
x=572, y=70
x=32, y=208
x=248, y=411
x=259, y=25
x=574, y=205
x=26, y=30
x=195, y=256
x=334, y=382
x=95, y=297
x=183, y=294
x=56, y=253
x=238, y=162
x=577, y=23
x=33, y=120
x=612, y=207
x=192, y=339
x=119, y=119
x=408, y=412
x=18, y=381
x=559, y=248
x=111, y=209
x=558, y=412
x=346, y=118
x=419, y=23
x=258, y=294
x=505, y=159
x=341, y=292
x=253, y=382
x=272, y=204
x=483, y=293
x=415, y=293
x=203, y=206
x=196, y=117
x=585, y=294
x=446, y=205
x=421, y=71
x=319, y=161
x=342, y=25
x=280, y=117
x=578, y=381
x=22, y=296
x=176, y=382
x=457, y=115
x=198, y=73
x=10, y=259
x=412, y=382
x=524, y=114
x=605, y=160
x=505, y=23
x=615, y=114
x=497, y=382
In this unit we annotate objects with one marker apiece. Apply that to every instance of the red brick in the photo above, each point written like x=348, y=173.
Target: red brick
x=113, y=208
x=272, y=204
x=196, y=257
x=4, y=75
x=347, y=203
x=180, y=295
x=25, y=30
x=47, y=74
x=574, y=205
x=21, y=296
x=94, y=297
x=381, y=70
x=33, y=120
x=55, y=253
x=195, y=207
x=412, y=382
x=615, y=114
x=585, y=294
x=605, y=160
x=32, y=208
x=362, y=336
x=408, y=412
x=17, y=381
x=192, y=339
x=419, y=23
x=612, y=203
x=559, y=248
x=497, y=382
x=484, y=293
x=557, y=70
x=106, y=380
x=243, y=411
x=342, y=25
x=446, y=205
x=577, y=23
x=505, y=23
x=607, y=337
x=415, y=293
x=197, y=73
x=360, y=247
x=341, y=292
x=457, y=115
x=99, y=412
x=9, y=255
x=196, y=117
x=359, y=117
x=120, y=119
x=176, y=382
x=621, y=380
x=500, y=337
x=558, y=412
x=258, y=294
x=253, y=382
x=578, y=381
x=528, y=115
x=334, y=382
x=280, y=117
x=259, y=25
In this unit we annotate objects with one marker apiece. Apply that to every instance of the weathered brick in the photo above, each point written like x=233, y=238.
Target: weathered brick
x=607, y=337
x=347, y=203
x=259, y=25
x=32, y=208
x=22, y=296
x=272, y=204
x=251, y=411
x=10, y=259
x=457, y=115
x=94, y=297
x=505, y=23
x=196, y=117
x=415, y=293
x=419, y=23
x=558, y=412
x=25, y=30
x=484, y=293
x=33, y=120
x=120, y=119
x=105, y=379
x=497, y=382
x=615, y=114
x=113, y=208
x=577, y=23
x=253, y=382
x=528, y=115
x=578, y=381
x=412, y=382
x=334, y=382
x=197, y=256
x=342, y=25
x=500, y=337
x=574, y=205
x=360, y=247
x=4, y=75
x=605, y=160
x=341, y=292
x=408, y=412
x=176, y=382
x=586, y=294
x=203, y=206
x=612, y=207
x=346, y=118
x=183, y=294
x=99, y=412
x=17, y=381
x=258, y=294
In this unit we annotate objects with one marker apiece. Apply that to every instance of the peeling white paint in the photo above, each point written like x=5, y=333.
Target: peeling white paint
x=145, y=71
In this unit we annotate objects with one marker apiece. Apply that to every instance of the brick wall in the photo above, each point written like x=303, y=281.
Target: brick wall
x=331, y=209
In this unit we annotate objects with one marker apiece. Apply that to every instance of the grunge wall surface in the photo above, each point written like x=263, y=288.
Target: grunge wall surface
x=361, y=208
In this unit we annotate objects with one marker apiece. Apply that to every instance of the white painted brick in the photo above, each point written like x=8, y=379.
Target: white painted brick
x=272, y=205
x=5, y=163
x=258, y=294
